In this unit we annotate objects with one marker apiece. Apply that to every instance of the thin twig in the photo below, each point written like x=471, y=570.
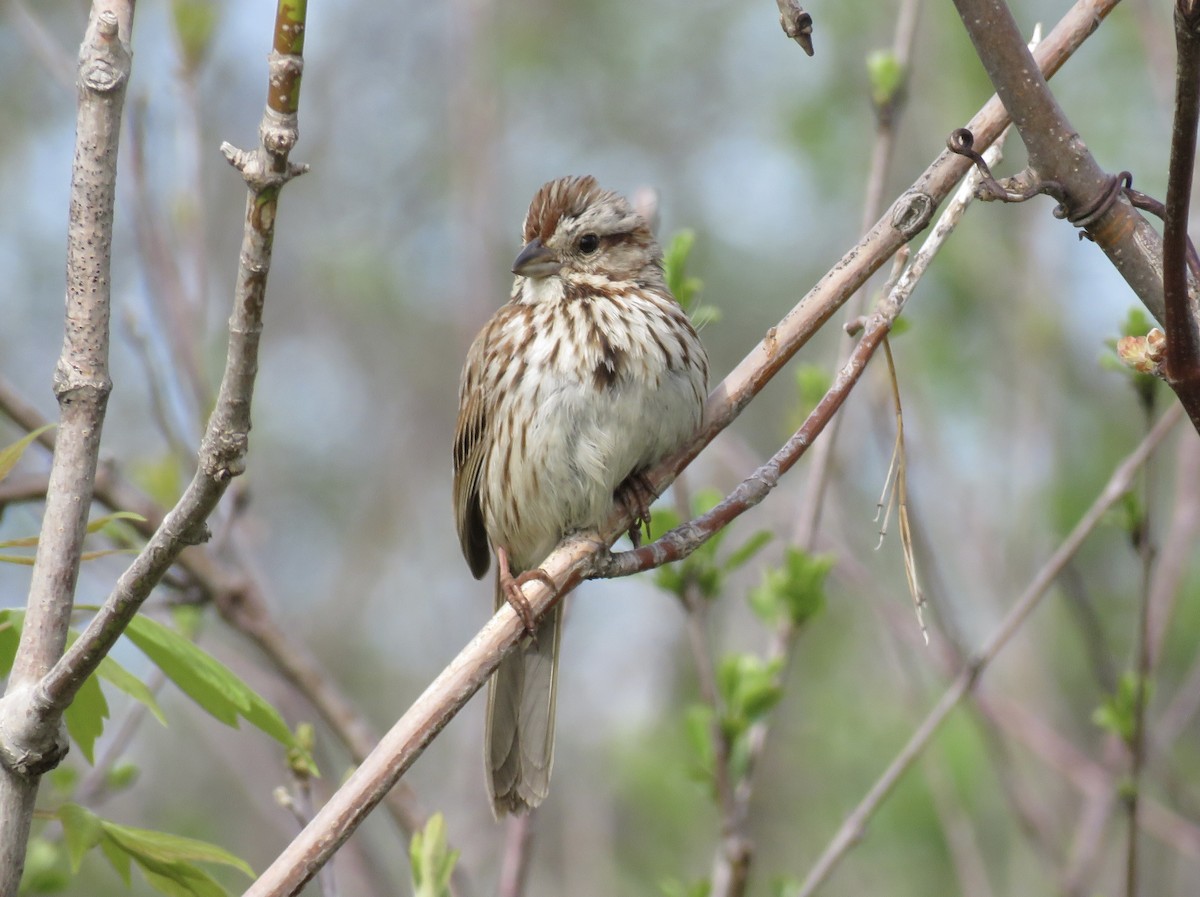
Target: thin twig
x=853, y=829
x=1181, y=367
x=887, y=122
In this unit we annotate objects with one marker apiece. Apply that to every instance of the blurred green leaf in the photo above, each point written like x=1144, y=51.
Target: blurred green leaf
x=195, y=21
x=81, y=832
x=11, y=454
x=85, y=717
x=10, y=637
x=1118, y=712
x=793, y=591
x=121, y=776
x=113, y=672
x=46, y=871
x=431, y=859
x=749, y=687
x=675, y=257
x=886, y=76
x=206, y=681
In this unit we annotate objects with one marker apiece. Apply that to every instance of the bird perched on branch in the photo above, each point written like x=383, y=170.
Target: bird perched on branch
x=589, y=375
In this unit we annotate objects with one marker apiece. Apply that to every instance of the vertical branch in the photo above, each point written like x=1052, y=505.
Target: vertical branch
x=1182, y=364
x=29, y=743
x=887, y=113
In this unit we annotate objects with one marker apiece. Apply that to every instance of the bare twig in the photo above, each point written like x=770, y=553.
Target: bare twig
x=31, y=741
x=853, y=829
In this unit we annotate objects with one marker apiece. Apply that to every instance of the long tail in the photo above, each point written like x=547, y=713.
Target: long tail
x=519, y=745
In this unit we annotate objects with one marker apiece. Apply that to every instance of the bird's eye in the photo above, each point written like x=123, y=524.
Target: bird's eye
x=589, y=243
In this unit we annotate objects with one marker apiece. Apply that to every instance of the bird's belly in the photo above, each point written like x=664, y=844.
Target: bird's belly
x=582, y=441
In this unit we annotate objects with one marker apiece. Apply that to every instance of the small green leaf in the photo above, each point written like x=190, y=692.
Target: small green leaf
x=81, y=831
x=886, y=76
x=122, y=775
x=11, y=454
x=431, y=859
x=1118, y=712
x=85, y=716
x=206, y=681
x=794, y=591
x=749, y=688
x=10, y=637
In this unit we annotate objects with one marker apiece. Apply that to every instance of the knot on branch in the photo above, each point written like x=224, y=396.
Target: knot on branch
x=104, y=62
x=912, y=212
x=796, y=24
x=223, y=456
x=73, y=385
x=31, y=744
x=1019, y=188
x=258, y=167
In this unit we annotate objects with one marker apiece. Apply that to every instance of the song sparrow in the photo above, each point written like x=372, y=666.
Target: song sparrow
x=589, y=375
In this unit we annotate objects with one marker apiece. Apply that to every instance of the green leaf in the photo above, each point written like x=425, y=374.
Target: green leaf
x=749, y=688
x=85, y=716
x=179, y=879
x=113, y=672
x=11, y=454
x=432, y=862
x=206, y=681
x=1118, y=712
x=10, y=637
x=118, y=859
x=45, y=872
x=886, y=76
x=161, y=847
x=794, y=591
x=81, y=831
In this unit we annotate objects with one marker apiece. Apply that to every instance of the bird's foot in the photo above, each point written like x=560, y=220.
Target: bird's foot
x=636, y=495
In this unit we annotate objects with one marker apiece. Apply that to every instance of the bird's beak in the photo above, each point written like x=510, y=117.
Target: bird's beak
x=536, y=260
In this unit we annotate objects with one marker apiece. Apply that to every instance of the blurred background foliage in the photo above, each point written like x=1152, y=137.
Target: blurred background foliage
x=428, y=127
